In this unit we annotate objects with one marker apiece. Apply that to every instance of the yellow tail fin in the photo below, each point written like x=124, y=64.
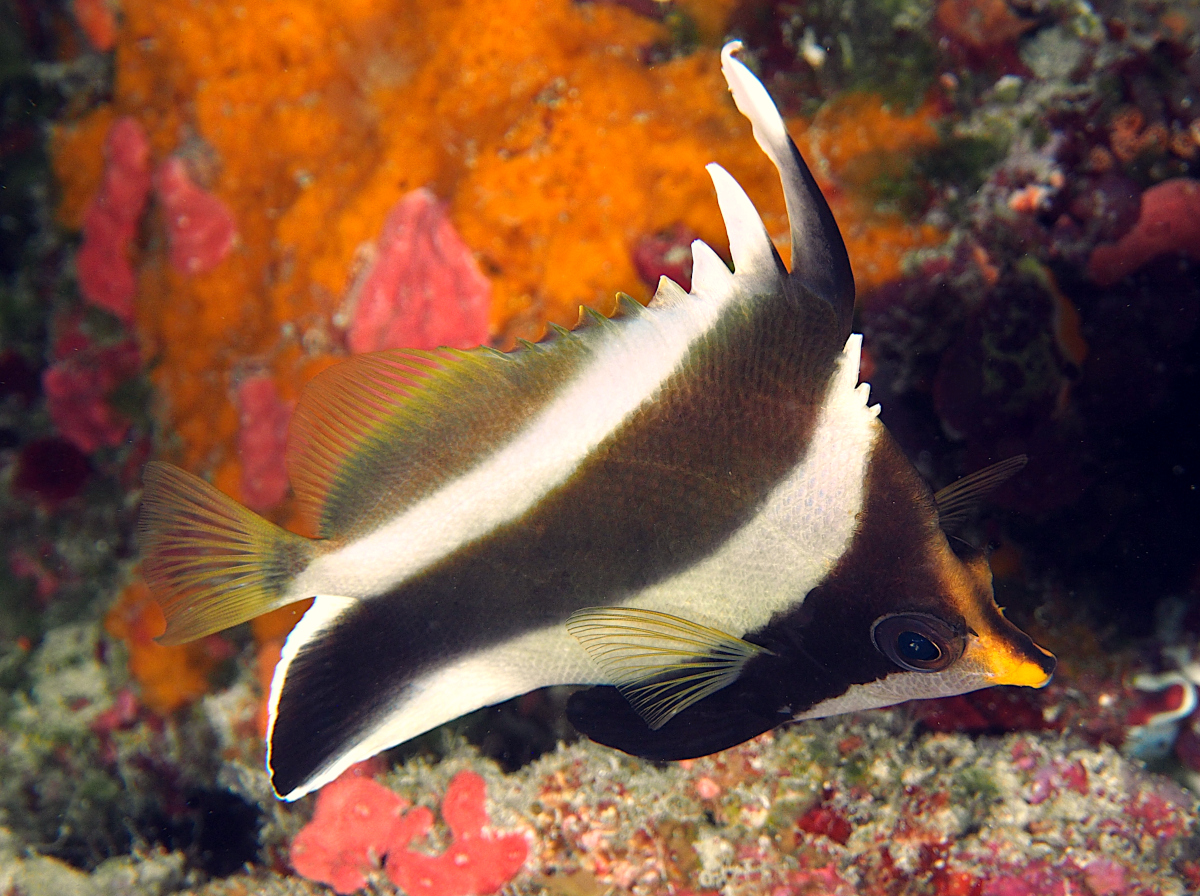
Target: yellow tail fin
x=210, y=562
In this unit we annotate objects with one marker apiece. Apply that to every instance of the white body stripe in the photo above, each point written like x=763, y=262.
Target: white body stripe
x=805, y=525
x=801, y=531
x=514, y=478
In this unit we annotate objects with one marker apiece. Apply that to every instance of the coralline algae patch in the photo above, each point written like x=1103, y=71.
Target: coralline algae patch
x=828, y=809
x=841, y=807
x=554, y=145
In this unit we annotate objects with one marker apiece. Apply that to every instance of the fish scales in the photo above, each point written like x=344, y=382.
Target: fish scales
x=690, y=507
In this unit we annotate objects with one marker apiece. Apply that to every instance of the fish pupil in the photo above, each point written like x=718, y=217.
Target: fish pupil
x=915, y=647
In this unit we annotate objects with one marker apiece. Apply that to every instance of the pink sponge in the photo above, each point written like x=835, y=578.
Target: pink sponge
x=1169, y=222
x=350, y=832
x=78, y=389
x=425, y=289
x=262, y=438
x=358, y=823
x=110, y=222
x=200, y=227
x=477, y=861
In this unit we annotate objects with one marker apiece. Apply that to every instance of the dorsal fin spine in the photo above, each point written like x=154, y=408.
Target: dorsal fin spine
x=819, y=260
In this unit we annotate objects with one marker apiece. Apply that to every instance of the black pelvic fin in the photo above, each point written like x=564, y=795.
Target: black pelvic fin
x=716, y=723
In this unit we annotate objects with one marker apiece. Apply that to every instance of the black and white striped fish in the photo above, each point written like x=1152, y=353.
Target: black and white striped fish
x=690, y=506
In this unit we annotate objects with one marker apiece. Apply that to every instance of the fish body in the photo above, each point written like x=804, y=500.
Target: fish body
x=690, y=506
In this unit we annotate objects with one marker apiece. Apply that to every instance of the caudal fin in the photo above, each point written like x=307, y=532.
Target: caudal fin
x=210, y=562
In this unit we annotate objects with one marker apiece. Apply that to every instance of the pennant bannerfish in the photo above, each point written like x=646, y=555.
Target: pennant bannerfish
x=690, y=506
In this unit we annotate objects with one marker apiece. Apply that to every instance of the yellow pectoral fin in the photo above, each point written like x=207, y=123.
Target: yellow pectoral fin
x=662, y=664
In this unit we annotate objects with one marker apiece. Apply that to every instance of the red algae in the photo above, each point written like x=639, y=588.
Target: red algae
x=981, y=24
x=98, y=21
x=477, y=861
x=359, y=823
x=200, y=227
x=78, y=387
x=262, y=438
x=352, y=829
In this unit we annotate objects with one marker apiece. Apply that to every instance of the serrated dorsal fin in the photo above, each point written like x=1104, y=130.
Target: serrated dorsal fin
x=819, y=260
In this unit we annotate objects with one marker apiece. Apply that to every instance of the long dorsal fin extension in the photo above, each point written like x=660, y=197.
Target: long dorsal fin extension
x=958, y=500
x=662, y=664
x=819, y=260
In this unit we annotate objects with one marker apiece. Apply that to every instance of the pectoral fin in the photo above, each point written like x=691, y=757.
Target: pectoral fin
x=661, y=664
x=957, y=501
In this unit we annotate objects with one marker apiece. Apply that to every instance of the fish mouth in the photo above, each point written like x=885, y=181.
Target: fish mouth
x=1012, y=657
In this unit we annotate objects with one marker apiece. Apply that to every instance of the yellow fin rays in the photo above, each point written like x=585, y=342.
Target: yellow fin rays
x=662, y=664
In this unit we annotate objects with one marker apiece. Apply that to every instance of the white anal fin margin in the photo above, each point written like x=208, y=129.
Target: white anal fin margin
x=662, y=664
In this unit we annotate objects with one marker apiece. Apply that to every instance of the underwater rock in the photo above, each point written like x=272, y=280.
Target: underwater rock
x=50, y=471
x=18, y=378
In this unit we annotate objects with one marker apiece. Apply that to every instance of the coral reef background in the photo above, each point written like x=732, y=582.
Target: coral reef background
x=205, y=204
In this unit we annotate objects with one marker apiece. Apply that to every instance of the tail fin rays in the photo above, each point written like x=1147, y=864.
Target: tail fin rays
x=210, y=562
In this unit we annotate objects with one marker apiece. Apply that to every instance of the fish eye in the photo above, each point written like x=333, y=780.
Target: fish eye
x=917, y=642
